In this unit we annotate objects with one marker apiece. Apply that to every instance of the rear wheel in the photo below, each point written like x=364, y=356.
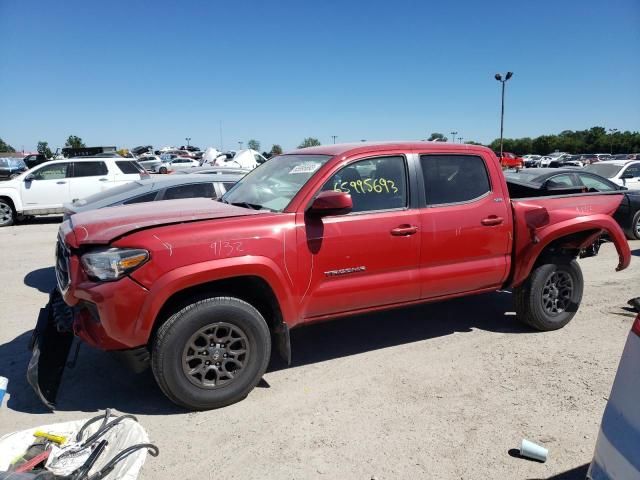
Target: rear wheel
x=550, y=297
x=634, y=229
x=163, y=170
x=7, y=215
x=211, y=353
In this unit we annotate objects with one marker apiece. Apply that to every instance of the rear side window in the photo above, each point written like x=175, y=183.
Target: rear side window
x=454, y=178
x=128, y=167
x=89, y=169
x=193, y=190
x=147, y=197
x=228, y=185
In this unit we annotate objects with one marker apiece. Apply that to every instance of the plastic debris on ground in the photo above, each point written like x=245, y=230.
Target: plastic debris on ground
x=103, y=447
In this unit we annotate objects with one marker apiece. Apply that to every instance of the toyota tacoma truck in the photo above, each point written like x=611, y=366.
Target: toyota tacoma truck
x=201, y=290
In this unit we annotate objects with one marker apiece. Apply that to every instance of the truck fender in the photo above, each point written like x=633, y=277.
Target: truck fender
x=580, y=232
x=220, y=269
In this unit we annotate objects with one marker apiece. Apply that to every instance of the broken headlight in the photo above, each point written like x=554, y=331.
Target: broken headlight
x=112, y=263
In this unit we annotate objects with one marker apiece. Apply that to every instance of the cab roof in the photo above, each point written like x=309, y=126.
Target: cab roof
x=372, y=147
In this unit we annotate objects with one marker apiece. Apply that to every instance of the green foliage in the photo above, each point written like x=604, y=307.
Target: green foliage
x=593, y=140
x=5, y=147
x=471, y=142
x=253, y=145
x=43, y=149
x=309, y=142
x=437, y=136
x=74, y=142
x=276, y=150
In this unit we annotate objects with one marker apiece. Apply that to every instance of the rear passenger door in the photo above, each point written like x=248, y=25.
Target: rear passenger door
x=466, y=226
x=88, y=177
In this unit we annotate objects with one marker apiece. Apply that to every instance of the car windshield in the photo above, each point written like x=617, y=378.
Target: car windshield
x=13, y=162
x=97, y=197
x=603, y=169
x=273, y=184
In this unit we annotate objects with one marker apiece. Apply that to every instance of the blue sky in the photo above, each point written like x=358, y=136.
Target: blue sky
x=130, y=72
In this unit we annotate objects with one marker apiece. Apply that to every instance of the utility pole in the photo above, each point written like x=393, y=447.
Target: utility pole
x=241, y=144
x=612, y=131
x=334, y=138
x=460, y=138
x=498, y=77
x=453, y=134
x=188, y=139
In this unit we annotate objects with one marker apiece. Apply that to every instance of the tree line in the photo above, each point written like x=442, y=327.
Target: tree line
x=592, y=140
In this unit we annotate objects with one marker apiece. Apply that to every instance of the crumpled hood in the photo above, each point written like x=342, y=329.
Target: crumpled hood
x=106, y=224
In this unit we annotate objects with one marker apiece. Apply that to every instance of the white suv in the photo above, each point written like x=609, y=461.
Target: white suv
x=45, y=188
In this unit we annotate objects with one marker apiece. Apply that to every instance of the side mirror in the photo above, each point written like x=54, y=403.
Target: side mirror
x=29, y=178
x=331, y=203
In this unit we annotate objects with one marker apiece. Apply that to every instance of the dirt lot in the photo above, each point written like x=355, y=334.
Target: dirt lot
x=437, y=391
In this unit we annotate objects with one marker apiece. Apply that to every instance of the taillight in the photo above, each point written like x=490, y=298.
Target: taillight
x=636, y=326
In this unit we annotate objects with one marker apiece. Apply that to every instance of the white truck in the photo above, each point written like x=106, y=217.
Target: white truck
x=45, y=188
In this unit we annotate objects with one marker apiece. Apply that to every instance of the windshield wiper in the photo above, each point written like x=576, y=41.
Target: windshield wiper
x=254, y=206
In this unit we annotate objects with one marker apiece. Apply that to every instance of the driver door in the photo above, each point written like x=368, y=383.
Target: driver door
x=48, y=189
x=369, y=257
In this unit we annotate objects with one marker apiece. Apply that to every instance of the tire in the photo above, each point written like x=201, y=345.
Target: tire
x=180, y=368
x=162, y=170
x=560, y=279
x=7, y=215
x=633, y=233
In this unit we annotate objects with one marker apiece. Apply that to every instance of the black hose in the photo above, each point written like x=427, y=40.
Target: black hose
x=110, y=465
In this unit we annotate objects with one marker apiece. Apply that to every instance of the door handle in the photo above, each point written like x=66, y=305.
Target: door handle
x=404, y=230
x=104, y=179
x=492, y=220
x=61, y=182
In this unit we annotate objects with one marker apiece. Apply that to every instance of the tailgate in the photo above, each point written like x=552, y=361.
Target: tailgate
x=576, y=219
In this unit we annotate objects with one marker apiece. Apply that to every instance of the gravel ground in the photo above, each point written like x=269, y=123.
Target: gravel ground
x=436, y=391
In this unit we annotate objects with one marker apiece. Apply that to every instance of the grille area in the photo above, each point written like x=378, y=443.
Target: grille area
x=62, y=265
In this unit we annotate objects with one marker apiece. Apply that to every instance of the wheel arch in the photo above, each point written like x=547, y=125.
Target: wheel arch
x=568, y=238
x=253, y=289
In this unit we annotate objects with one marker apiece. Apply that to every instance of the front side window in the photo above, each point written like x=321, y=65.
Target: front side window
x=374, y=184
x=89, y=169
x=54, y=171
x=193, y=190
x=273, y=184
x=593, y=183
x=454, y=178
x=633, y=171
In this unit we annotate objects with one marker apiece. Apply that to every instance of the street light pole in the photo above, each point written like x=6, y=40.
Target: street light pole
x=241, y=144
x=611, y=132
x=334, y=138
x=453, y=134
x=188, y=139
x=498, y=77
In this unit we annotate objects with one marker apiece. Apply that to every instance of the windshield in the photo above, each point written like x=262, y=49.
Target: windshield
x=12, y=162
x=603, y=169
x=273, y=184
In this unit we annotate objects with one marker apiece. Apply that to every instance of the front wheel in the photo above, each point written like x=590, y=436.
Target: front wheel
x=211, y=353
x=163, y=170
x=550, y=297
x=7, y=216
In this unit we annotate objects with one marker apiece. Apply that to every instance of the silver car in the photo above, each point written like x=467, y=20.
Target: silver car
x=617, y=453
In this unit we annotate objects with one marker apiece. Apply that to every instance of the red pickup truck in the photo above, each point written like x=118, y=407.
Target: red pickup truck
x=201, y=289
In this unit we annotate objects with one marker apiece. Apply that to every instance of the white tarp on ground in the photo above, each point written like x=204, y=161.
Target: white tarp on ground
x=123, y=435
